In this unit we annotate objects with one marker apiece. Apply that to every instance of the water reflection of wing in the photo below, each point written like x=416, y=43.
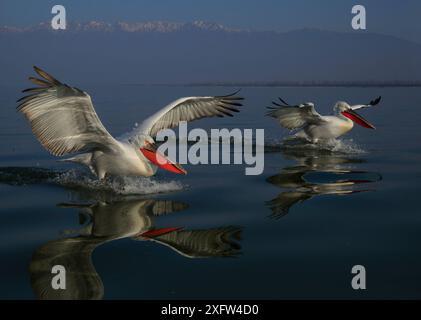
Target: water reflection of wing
x=334, y=175
x=290, y=177
x=163, y=207
x=322, y=160
x=284, y=201
x=109, y=221
x=217, y=242
x=82, y=280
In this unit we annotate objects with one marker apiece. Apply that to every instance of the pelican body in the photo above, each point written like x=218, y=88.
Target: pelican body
x=313, y=126
x=127, y=162
x=64, y=120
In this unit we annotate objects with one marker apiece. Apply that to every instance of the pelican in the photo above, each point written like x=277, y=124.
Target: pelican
x=315, y=127
x=64, y=121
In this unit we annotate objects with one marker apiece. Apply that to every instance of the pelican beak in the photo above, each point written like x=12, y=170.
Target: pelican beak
x=351, y=114
x=151, y=153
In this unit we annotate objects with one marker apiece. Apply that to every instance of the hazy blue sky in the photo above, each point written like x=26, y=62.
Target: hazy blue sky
x=401, y=18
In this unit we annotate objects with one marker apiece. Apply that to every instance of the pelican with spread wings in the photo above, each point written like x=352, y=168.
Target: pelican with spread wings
x=314, y=126
x=64, y=120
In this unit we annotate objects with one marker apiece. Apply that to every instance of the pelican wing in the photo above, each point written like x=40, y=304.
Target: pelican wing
x=63, y=118
x=294, y=117
x=189, y=109
x=370, y=104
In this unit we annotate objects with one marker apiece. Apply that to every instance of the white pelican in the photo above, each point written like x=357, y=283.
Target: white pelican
x=64, y=120
x=316, y=127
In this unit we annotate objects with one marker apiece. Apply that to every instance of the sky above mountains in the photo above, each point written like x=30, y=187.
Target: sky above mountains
x=186, y=41
x=401, y=19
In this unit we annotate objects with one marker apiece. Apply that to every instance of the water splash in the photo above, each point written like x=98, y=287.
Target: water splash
x=346, y=146
x=19, y=176
x=339, y=146
x=117, y=185
x=82, y=180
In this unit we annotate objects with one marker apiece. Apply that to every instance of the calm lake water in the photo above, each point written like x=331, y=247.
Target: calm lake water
x=294, y=231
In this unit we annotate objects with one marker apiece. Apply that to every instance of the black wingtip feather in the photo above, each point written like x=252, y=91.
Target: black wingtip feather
x=283, y=101
x=375, y=101
x=228, y=108
x=47, y=76
x=40, y=82
x=226, y=113
x=20, y=99
x=270, y=114
x=234, y=93
x=231, y=96
x=238, y=104
x=38, y=89
x=47, y=81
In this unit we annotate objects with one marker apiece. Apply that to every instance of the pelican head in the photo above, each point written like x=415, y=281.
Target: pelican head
x=307, y=104
x=342, y=108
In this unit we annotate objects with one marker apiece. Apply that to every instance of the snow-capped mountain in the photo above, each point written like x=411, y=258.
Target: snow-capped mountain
x=147, y=26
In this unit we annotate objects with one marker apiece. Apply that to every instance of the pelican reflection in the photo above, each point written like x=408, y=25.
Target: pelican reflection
x=105, y=222
x=317, y=173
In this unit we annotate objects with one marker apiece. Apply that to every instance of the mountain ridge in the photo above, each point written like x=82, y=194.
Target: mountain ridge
x=141, y=26
x=205, y=52
x=163, y=26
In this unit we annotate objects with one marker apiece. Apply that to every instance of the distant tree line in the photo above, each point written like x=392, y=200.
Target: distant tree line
x=315, y=83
